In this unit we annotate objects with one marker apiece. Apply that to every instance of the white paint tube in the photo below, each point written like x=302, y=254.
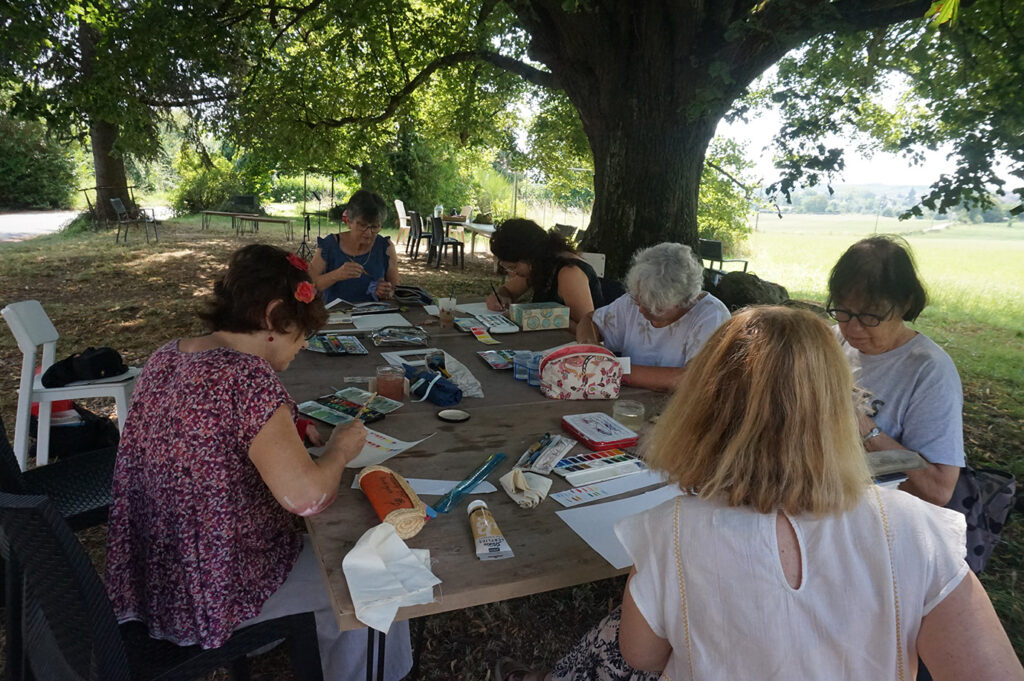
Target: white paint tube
x=490, y=542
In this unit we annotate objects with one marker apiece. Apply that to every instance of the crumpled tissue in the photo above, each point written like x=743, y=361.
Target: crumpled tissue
x=526, y=489
x=384, y=574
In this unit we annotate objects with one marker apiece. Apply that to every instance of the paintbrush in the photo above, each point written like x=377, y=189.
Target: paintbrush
x=497, y=298
x=365, y=407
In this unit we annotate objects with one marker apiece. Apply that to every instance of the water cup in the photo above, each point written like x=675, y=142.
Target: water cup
x=391, y=382
x=533, y=376
x=446, y=312
x=521, y=365
x=629, y=413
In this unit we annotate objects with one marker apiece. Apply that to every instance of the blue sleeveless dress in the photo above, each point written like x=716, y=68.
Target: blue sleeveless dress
x=358, y=290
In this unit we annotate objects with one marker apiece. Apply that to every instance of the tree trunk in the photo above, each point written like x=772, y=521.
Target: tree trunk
x=109, y=169
x=111, y=181
x=646, y=181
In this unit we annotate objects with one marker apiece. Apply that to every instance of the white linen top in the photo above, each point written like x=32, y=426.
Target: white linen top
x=628, y=333
x=747, y=622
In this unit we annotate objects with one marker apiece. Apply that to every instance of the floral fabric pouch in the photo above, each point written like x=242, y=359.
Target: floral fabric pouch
x=581, y=372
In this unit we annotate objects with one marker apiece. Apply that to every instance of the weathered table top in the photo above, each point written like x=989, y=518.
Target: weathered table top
x=511, y=416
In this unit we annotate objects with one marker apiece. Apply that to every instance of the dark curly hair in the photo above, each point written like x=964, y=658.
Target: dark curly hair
x=257, y=275
x=879, y=269
x=520, y=240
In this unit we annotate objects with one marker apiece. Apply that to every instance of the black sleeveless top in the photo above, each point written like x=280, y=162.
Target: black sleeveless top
x=549, y=292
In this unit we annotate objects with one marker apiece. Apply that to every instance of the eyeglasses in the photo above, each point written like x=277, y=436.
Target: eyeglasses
x=865, y=318
x=366, y=226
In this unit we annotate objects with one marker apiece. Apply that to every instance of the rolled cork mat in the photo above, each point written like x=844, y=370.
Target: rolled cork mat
x=393, y=500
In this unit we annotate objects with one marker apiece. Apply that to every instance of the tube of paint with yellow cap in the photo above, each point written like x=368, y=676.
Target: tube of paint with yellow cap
x=490, y=542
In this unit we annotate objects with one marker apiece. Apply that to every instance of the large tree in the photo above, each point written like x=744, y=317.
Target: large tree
x=107, y=71
x=650, y=81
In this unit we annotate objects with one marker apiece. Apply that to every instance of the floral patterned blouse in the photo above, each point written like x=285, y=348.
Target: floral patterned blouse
x=196, y=541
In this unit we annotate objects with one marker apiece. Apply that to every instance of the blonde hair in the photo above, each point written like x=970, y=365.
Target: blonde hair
x=764, y=416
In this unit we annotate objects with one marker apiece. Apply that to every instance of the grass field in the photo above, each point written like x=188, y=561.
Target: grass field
x=136, y=297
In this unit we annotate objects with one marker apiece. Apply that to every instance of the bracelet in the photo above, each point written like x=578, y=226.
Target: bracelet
x=874, y=432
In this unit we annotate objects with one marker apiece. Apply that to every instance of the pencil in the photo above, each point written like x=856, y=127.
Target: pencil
x=365, y=407
x=361, y=268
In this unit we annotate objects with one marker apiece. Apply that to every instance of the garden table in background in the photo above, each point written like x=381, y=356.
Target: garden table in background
x=253, y=222
x=511, y=416
x=234, y=217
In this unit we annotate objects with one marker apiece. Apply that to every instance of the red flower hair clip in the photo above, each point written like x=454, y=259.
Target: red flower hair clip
x=305, y=292
x=344, y=216
x=298, y=263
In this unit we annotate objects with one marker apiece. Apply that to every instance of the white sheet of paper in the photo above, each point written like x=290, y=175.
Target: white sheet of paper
x=431, y=310
x=378, y=449
x=595, y=523
x=473, y=308
x=377, y=321
x=426, y=487
x=585, y=494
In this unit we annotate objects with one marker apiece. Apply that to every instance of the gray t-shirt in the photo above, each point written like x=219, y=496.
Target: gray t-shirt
x=917, y=397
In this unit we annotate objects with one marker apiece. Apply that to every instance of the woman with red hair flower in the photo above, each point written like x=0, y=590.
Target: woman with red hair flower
x=211, y=473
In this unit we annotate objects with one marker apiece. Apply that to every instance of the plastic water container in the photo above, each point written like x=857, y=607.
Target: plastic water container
x=521, y=365
x=533, y=376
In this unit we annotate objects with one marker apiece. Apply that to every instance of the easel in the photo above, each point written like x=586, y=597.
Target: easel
x=305, y=251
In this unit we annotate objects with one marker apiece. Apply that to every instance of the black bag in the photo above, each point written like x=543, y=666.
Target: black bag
x=94, y=432
x=88, y=365
x=412, y=295
x=986, y=497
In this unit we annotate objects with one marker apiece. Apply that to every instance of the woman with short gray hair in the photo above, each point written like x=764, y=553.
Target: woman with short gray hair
x=664, y=320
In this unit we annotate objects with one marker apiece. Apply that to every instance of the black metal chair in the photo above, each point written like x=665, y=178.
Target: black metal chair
x=416, y=235
x=568, y=231
x=137, y=217
x=60, y=624
x=711, y=250
x=440, y=243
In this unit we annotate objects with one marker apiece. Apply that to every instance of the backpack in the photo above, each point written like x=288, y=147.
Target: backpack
x=93, y=432
x=986, y=497
x=88, y=365
x=580, y=372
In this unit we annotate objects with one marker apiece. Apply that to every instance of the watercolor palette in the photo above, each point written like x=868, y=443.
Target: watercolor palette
x=591, y=467
x=599, y=431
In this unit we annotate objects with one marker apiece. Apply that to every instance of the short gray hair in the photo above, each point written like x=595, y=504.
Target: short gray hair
x=664, y=276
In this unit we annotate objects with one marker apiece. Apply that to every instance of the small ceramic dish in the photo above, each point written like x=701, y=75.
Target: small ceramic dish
x=453, y=415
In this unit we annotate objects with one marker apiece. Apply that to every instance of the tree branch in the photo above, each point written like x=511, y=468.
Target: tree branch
x=525, y=70
x=747, y=191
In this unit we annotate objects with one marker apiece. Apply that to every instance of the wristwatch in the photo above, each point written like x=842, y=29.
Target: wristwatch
x=874, y=432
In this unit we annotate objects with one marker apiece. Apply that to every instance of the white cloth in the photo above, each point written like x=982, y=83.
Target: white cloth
x=627, y=332
x=840, y=623
x=342, y=653
x=526, y=489
x=917, y=397
x=384, y=574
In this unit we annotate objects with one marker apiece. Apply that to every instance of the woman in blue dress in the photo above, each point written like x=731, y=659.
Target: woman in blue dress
x=359, y=265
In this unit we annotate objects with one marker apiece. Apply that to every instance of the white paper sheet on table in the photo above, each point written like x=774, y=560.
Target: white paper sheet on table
x=427, y=487
x=595, y=523
x=473, y=308
x=431, y=310
x=378, y=449
x=384, y=574
x=377, y=321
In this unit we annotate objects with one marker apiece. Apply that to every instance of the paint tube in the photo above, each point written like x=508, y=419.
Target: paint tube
x=490, y=542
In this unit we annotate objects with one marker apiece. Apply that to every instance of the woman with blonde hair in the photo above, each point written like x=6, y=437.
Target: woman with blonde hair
x=781, y=560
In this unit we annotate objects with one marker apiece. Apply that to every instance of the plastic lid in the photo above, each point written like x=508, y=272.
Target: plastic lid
x=473, y=505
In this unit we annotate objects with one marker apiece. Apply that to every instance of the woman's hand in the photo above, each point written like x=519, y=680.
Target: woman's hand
x=385, y=289
x=348, y=439
x=497, y=303
x=350, y=270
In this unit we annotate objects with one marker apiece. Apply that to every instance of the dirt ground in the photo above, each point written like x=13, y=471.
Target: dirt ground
x=135, y=298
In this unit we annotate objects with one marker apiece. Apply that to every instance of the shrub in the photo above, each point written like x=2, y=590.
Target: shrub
x=35, y=171
x=202, y=185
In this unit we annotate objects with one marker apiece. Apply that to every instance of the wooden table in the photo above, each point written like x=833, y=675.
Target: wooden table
x=234, y=217
x=548, y=554
x=254, y=221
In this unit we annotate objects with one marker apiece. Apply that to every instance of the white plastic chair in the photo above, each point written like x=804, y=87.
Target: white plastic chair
x=403, y=224
x=32, y=328
x=595, y=260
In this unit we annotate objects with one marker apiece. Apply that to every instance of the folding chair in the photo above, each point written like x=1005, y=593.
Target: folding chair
x=138, y=217
x=711, y=250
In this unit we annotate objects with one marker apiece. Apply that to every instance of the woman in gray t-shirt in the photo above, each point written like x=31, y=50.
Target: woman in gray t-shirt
x=916, y=400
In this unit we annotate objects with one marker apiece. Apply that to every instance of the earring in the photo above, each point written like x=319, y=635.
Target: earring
x=270, y=339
